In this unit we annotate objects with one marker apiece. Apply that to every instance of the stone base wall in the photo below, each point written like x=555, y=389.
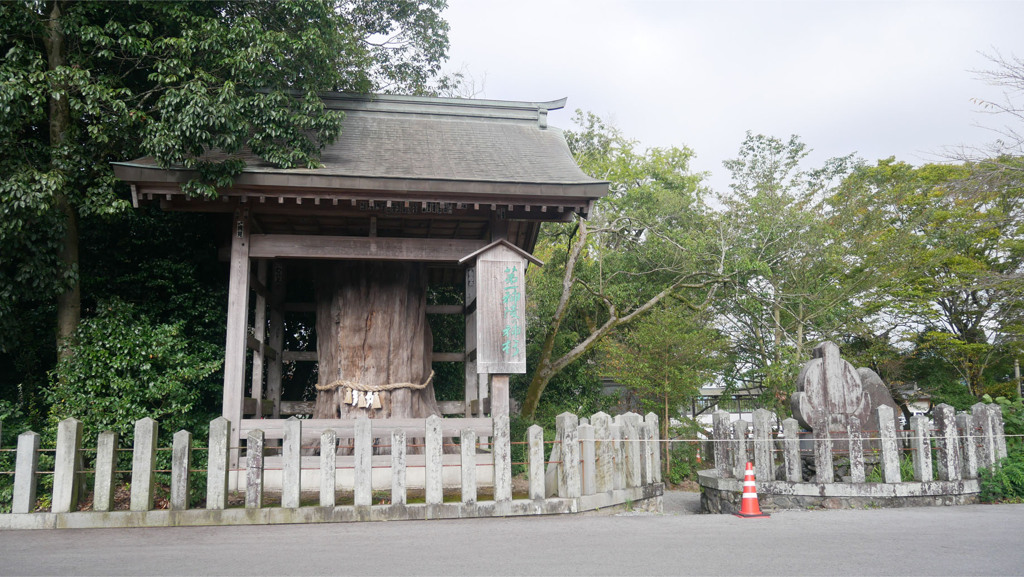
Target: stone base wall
x=614, y=463
x=724, y=495
x=646, y=498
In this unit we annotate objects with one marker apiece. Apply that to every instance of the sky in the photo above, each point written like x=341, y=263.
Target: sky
x=878, y=79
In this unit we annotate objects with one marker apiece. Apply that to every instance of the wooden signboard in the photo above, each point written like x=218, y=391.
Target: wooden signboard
x=500, y=308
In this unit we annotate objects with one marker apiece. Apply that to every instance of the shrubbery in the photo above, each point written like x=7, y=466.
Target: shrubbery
x=1005, y=481
x=124, y=367
x=682, y=461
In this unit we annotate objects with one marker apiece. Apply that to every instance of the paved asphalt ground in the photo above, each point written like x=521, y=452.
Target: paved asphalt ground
x=968, y=540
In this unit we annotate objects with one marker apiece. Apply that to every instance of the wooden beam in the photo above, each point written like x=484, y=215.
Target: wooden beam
x=311, y=428
x=448, y=357
x=249, y=406
x=445, y=309
x=258, y=287
x=476, y=409
x=297, y=407
x=293, y=356
x=451, y=407
x=254, y=345
x=361, y=248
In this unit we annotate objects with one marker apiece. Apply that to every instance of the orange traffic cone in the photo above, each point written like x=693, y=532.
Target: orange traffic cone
x=750, y=506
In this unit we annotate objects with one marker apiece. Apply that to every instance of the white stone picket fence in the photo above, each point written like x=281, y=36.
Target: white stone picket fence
x=962, y=443
x=596, y=463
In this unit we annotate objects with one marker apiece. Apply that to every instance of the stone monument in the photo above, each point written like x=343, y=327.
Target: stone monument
x=831, y=396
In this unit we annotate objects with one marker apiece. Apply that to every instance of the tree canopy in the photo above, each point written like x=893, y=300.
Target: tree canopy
x=88, y=83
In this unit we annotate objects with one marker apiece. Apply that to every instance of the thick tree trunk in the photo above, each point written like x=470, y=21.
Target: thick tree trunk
x=69, y=303
x=372, y=330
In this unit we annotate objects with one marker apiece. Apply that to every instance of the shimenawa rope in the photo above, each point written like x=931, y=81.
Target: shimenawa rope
x=356, y=386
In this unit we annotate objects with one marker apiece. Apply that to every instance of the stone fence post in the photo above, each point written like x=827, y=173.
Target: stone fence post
x=921, y=448
x=823, y=452
x=984, y=435
x=254, y=469
x=567, y=435
x=143, y=461
x=181, y=464
x=588, y=450
x=291, y=464
x=398, y=473
x=619, y=457
x=329, y=467
x=362, y=495
x=631, y=445
x=535, y=438
x=996, y=413
x=791, y=450
x=947, y=444
x=434, y=480
x=502, y=451
x=856, y=454
x=739, y=448
x=25, y=467
x=66, y=466
x=968, y=446
x=106, y=464
x=722, y=438
x=467, y=448
x=656, y=443
x=890, y=451
x=217, y=459
x=604, y=457
x=764, y=462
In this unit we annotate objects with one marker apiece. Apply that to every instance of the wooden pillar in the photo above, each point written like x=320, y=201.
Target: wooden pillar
x=234, y=348
x=499, y=225
x=472, y=379
x=276, y=337
x=499, y=395
x=260, y=333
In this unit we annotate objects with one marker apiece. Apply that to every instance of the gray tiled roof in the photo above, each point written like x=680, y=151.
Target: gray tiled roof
x=451, y=148
x=432, y=140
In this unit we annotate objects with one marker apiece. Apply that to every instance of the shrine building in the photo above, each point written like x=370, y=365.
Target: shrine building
x=417, y=190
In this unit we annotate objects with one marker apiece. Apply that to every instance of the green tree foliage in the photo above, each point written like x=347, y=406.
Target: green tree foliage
x=663, y=359
x=794, y=279
x=127, y=367
x=952, y=248
x=87, y=83
x=651, y=238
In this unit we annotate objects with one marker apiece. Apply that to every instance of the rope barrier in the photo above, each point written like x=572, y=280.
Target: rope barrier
x=898, y=438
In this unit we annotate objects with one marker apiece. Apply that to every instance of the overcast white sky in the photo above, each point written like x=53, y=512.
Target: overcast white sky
x=875, y=78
